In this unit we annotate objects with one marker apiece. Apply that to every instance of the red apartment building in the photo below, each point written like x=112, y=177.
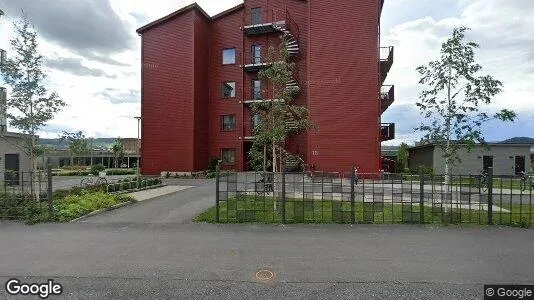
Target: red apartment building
x=199, y=78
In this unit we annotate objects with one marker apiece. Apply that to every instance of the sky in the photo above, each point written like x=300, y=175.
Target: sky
x=93, y=56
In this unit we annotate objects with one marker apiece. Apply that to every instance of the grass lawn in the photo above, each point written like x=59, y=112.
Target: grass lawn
x=260, y=209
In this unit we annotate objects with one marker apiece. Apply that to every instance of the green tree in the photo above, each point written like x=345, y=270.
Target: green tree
x=118, y=151
x=279, y=118
x=78, y=144
x=453, y=94
x=29, y=106
x=402, y=158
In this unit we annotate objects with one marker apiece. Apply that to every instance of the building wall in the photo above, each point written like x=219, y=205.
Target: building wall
x=168, y=96
x=338, y=72
x=344, y=85
x=14, y=145
x=298, y=12
x=472, y=162
x=225, y=33
x=202, y=92
x=421, y=157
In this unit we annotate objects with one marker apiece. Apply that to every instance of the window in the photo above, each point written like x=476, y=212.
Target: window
x=228, y=56
x=228, y=156
x=256, y=89
x=256, y=16
x=228, y=89
x=487, y=162
x=228, y=123
x=256, y=54
x=255, y=121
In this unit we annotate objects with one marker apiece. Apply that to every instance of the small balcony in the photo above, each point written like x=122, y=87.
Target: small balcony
x=386, y=61
x=387, y=96
x=387, y=132
x=261, y=21
x=249, y=131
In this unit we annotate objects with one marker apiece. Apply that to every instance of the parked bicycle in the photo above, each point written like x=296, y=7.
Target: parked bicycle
x=526, y=181
x=482, y=180
x=92, y=181
x=265, y=184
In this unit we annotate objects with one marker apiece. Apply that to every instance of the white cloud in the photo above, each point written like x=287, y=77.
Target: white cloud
x=415, y=28
x=503, y=30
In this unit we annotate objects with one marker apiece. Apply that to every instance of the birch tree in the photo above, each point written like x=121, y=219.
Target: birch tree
x=29, y=106
x=280, y=117
x=453, y=99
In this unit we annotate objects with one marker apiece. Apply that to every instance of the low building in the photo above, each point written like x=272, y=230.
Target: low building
x=14, y=161
x=505, y=159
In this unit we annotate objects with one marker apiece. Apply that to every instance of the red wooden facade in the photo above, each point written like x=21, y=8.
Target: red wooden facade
x=339, y=74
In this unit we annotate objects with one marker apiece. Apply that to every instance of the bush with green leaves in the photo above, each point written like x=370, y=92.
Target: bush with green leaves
x=75, y=206
x=121, y=171
x=95, y=169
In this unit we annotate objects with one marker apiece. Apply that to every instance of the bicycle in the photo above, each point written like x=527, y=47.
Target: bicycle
x=93, y=181
x=482, y=180
x=265, y=184
x=526, y=180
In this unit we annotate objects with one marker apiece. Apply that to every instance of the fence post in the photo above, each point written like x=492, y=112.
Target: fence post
x=352, y=180
x=50, y=196
x=421, y=196
x=217, y=170
x=284, y=196
x=490, y=196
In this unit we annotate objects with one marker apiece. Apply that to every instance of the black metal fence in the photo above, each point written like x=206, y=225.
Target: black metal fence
x=23, y=194
x=350, y=197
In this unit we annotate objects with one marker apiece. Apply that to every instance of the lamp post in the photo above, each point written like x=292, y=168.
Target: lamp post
x=138, y=145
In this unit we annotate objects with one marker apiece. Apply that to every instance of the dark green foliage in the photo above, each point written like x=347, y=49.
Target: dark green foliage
x=95, y=169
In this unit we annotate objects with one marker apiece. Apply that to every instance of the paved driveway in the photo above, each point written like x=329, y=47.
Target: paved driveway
x=151, y=250
x=176, y=208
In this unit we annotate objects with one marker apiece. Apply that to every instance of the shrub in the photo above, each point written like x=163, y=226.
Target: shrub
x=74, y=168
x=125, y=185
x=74, y=206
x=121, y=171
x=95, y=169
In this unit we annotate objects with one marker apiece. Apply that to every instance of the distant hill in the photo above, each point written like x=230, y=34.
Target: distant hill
x=519, y=140
x=99, y=143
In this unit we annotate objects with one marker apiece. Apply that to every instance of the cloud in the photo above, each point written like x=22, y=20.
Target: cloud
x=74, y=66
x=115, y=96
x=90, y=28
x=503, y=30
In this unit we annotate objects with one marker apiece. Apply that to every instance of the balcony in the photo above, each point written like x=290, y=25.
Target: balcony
x=249, y=131
x=387, y=132
x=387, y=96
x=386, y=61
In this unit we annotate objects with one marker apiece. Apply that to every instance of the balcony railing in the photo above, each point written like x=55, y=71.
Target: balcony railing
x=387, y=96
x=248, y=131
x=267, y=21
x=387, y=131
x=386, y=61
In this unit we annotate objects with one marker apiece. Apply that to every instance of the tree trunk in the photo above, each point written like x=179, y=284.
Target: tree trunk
x=274, y=173
x=448, y=128
x=264, y=158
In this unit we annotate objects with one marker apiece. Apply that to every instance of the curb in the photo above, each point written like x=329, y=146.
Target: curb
x=97, y=212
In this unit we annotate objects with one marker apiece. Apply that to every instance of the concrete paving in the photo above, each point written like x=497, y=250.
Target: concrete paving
x=151, y=250
x=157, y=192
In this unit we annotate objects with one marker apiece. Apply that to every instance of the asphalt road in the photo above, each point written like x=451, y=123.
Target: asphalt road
x=150, y=250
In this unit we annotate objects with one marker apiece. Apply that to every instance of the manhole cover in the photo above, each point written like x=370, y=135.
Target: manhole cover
x=264, y=275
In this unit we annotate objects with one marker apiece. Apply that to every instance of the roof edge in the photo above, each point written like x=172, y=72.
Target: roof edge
x=172, y=15
x=228, y=11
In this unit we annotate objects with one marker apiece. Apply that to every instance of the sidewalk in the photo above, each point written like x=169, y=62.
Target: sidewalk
x=153, y=193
